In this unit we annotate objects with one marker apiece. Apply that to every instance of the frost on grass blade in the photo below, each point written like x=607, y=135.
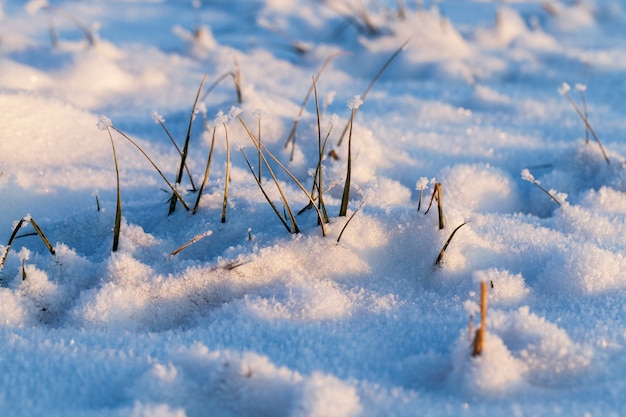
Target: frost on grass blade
x=355, y=102
x=104, y=122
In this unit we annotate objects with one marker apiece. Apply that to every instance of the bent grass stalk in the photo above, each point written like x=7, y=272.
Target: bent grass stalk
x=183, y=157
x=371, y=84
x=437, y=194
x=445, y=245
x=176, y=193
x=234, y=75
x=349, y=220
x=54, y=41
x=16, y=229
x=118, y=204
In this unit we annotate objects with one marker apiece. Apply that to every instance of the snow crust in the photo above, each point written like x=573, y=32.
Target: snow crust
x=249, y=319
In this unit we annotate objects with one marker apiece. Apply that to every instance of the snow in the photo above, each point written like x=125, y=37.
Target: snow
x=249, y=319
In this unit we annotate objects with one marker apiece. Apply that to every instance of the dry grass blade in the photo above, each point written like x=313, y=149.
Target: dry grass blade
x=292, y=133
x=227, y=179
x=437, y=194
x=349, y=220
x=207, y=171
x=180, y=153
x=371, y=84
x=319, y=174
x=445, y=245
x=43, y=237
x=176, y=193
x=191, y=242
x=237, y=81
x=49, y=9
x=526, y=175
x=479, y=340
x=183, y=158
x=271, y=203
x=118, y=204
x=588, y=126
x=13, y=236
x=16, y=229
x=343, y=210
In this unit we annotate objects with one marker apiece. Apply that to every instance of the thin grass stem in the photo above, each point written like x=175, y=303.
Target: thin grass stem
x=371, y=84
x=227, y=179
x=118, y=204
x=176, y=193
x=183, y=157
x=207, y=171
x=191, y=242
x=445, y=246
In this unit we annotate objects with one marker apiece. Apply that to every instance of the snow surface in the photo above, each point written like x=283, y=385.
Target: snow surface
x=253, y=321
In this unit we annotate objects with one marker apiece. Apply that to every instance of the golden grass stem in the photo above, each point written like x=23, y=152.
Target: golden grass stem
x=479, y=340
x=437, y=191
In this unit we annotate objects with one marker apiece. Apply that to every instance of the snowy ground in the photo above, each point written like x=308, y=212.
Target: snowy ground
x=252, y=320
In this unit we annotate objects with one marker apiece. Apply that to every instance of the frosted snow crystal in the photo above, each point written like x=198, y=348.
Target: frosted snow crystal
x=234, y=112
x=355, y=102
x=104, y=122
x=421, y=184
x=564, y=89
x=220, y=118
x=527, y=176
x=158, y=118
